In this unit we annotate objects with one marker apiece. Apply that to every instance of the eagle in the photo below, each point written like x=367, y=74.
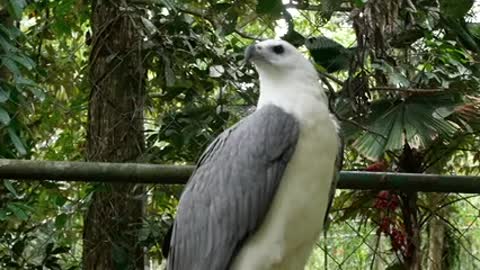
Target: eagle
x=260, y=193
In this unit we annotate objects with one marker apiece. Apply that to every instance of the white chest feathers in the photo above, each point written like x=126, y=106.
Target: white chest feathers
x=293, y=224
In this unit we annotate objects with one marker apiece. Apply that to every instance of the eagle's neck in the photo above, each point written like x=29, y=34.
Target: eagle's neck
x=302, y=98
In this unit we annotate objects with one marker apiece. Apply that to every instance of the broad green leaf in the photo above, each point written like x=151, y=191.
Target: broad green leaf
x=60, y=200
x=455, y=8
x=60, y=221
x=15, y=7
x=24, y=81
x=3, y=214
x=4, y=117
x=18, y=247
x=230, y=24
x=60, y=250
x=330, y=6
x=398, y=79
x=11, y=65
x=17, y=142
x=49, y=248
x=417, y=119
x=8, y=184
x=270, y=7
x=17, y=211
x=4, y=95
x=23, y=60
x=7, y=45
x=37, y=92
x=5, y=32
x=152, y=29
x=64, y=7
x=169, y=4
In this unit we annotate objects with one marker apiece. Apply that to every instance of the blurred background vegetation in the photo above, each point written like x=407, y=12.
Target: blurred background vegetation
x=154, y=81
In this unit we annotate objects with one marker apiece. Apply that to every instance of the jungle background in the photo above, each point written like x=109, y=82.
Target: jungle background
x=154, y=81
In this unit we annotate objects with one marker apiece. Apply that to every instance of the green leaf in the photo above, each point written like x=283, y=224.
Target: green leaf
x=169, y=4
x=64, y=7
x=18, y=247
x=23, y=60
x=7, y=45
x=455, y=9
x=416, y=120
x=17, y=211
x=270, y=7
x=4, y=95
x=11, y=65
x=152, y=29
x=8, y=184
x=17, y=142
x=3, y=214
x=49, y=248
x=330, y=6
x=60, y=200
x=230, y=24
x=4, y=117
x=60, y=250
x=15, y=7
x=398, y=79
x=60, y=221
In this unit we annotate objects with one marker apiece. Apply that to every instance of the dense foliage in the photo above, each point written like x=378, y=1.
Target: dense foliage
x=403, y=78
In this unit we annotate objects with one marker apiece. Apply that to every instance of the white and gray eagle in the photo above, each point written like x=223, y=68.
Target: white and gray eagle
x=258, y=197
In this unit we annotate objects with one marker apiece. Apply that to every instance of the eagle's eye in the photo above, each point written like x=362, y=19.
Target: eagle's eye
x=278, y=49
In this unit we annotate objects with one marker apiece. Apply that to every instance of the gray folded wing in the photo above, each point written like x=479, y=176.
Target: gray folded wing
x=333, y=187
x=230, y=191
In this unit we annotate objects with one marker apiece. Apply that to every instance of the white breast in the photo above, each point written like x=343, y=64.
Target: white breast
x=295, y=219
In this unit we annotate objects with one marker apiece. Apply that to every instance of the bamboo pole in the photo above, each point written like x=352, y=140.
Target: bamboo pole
x=33, y=170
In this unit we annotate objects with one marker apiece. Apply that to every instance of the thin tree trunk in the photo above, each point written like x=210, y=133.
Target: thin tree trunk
x=115, y=133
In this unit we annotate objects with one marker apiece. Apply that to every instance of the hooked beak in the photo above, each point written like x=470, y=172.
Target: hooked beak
x=250, y=53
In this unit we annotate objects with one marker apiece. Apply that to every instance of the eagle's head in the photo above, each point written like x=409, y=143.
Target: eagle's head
x=278, y=57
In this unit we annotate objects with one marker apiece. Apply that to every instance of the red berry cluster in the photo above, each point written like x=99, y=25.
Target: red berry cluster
x=387, y=203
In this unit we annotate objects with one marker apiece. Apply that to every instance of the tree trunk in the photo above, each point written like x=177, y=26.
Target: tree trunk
x=115, y=133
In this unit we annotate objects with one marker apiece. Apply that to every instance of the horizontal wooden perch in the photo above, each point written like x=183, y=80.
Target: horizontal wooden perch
x=171, y=174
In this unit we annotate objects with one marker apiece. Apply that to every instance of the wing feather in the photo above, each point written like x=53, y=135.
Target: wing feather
x=231, y=189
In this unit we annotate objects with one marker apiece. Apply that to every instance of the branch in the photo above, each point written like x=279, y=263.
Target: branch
x=360, y=126
x=117, y=173
x=244, y=35
x=212, y=22
x=328, y=76
x=199, y=15
x=94, y=171
x=314, y=7
x=411, y=90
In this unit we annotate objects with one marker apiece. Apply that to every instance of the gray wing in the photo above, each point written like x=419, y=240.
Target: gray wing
x=230, y=191
x=336, y=175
